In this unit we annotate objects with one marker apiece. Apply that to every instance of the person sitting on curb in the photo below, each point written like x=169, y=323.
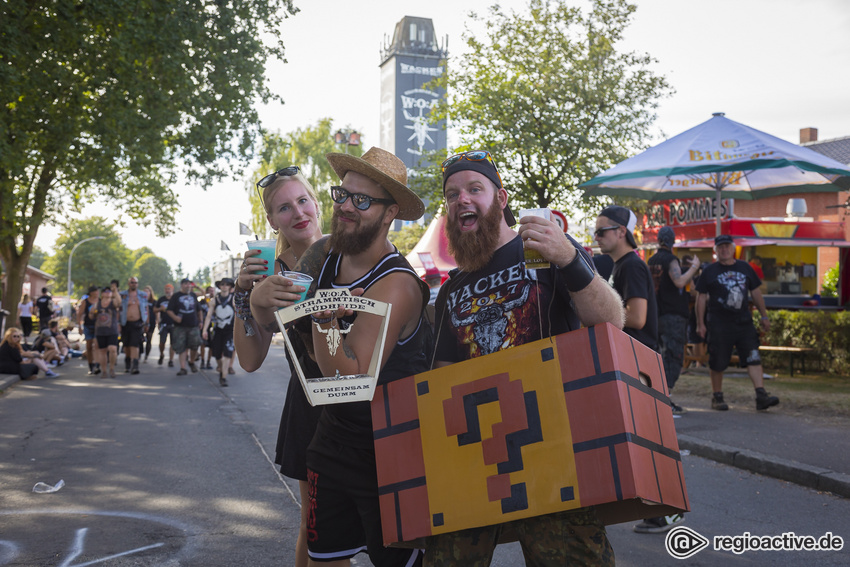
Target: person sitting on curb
x=15, y=360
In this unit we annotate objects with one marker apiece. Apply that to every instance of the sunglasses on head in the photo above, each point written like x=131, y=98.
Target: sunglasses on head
x=359, y=200
x=600, y=232
x=473, y=155
x=285, y=172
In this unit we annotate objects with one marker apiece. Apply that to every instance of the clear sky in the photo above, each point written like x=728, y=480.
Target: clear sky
x=774, y=65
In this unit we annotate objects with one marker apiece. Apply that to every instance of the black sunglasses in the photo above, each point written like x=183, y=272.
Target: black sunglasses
x=359, y=200
x=285, y=172
x=600, y=232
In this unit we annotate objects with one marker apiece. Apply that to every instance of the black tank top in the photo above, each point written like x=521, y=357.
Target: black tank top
x=351, y=423
x=88, y=320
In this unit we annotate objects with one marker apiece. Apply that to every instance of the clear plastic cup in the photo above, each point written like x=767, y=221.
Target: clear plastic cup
x=533, y=258
x=299, y=279
x=267, y=253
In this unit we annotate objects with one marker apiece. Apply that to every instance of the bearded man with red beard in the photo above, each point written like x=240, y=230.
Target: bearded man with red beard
x=492, y=302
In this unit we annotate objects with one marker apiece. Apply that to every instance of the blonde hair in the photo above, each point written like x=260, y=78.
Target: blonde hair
x=8, y=335
x=271, y=189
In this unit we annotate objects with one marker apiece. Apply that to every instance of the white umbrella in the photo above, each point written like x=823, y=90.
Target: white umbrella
x=721, y=157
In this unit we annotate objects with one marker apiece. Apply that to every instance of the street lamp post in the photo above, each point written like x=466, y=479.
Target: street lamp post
x=347, y=138
x=71, y=257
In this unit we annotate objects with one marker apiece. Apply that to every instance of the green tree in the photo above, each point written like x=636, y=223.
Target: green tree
x=138, y=253
x=95, y=262
x=549, y=94
x=153, y=271
x=37, y=257
x=104, y=100
x=829, y=288
x=305, y=148
x=408, y=237
x=202, y=278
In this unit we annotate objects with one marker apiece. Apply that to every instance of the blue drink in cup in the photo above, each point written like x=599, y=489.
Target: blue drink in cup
x=267, y=253
x=299, y=279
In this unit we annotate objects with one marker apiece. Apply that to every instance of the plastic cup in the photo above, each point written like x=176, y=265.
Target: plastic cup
x=267, y=250
x=533, y=258
x=299, y=279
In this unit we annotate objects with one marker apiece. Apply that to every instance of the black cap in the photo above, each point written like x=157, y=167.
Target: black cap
x=623, y=217
x=723, y=239
x=225, y=281
x=666, y=237
x=485, y=168
x=185, y=280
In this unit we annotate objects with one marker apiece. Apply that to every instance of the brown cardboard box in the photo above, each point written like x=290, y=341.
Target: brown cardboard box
x=581, y=419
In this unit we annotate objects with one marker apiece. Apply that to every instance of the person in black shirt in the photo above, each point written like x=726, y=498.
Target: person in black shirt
x=166, y=324
x=630, y=277
x=493, y=302
x=44, y=303
x=724, y=289
x=186, y=336
x=673, y=309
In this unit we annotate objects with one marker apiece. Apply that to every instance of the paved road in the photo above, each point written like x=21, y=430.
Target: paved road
x=167, y=470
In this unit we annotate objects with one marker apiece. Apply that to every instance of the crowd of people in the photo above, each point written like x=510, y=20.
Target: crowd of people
x=110, y=318
x=329, y=449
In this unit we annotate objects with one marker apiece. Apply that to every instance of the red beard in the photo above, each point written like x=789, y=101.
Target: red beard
x=473, y=250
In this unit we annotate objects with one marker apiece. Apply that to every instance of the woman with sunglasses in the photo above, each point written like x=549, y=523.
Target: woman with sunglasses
x=292, y=210
x=15, y=360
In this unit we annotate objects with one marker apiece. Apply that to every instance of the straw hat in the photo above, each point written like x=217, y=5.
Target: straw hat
x=386, y=170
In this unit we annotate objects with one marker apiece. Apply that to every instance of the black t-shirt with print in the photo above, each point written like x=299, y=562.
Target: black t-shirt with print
x=185, y=305
x=728, y=288
x=164, y=319
x=45, y=306
x=502, y=305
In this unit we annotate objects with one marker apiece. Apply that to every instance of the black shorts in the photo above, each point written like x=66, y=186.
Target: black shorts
x=221, y=343
x=104, y=341
x=164, y=332
x=344, y=516
x=131, y=333
x=723, y=336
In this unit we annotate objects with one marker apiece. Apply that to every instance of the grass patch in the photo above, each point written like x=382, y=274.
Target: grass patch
x=815, y=394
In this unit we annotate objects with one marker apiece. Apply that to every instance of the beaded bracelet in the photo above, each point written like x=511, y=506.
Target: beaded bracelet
x=321, y=320
x=242, y=305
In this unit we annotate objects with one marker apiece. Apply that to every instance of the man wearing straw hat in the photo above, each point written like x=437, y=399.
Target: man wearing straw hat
x=344, y=515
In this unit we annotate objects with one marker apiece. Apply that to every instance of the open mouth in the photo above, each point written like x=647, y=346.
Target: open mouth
x=467, y=219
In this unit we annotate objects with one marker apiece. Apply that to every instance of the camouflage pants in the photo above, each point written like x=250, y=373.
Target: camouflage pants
x=576, y=538
x=672, y=337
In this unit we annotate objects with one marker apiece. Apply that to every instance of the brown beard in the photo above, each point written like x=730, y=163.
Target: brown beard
x=352, y=244
x=473, y=250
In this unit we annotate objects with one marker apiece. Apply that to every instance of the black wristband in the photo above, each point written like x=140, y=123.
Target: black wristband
x=578, y=273
x=321, y=320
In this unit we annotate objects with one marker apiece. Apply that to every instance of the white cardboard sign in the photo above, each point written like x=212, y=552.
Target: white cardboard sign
x=339, y=388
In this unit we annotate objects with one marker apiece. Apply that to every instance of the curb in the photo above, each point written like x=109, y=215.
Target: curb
x=768, y=465
x=7, y=380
